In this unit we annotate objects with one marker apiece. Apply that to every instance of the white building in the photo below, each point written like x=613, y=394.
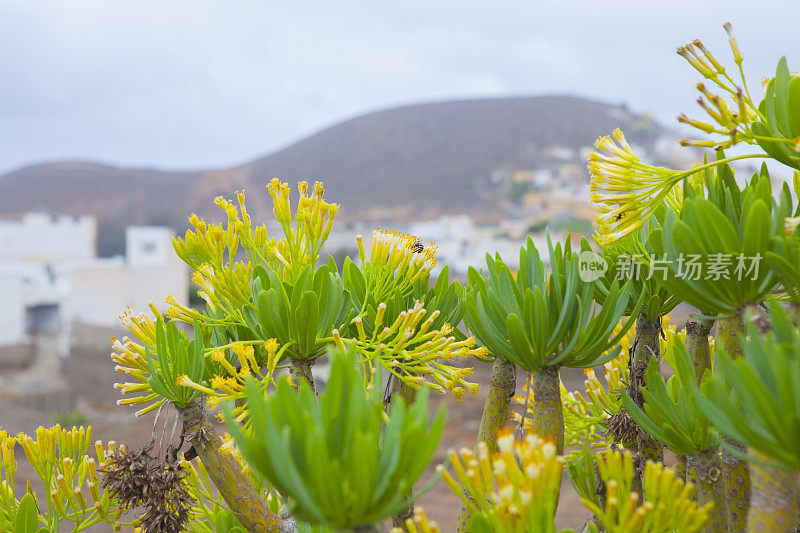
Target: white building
x=40, y=238
x=12, y=311
x=462, y=244
x=101, y=289
x=51, y=277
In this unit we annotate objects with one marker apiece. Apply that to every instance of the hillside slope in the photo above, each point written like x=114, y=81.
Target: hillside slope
x=416, y=160
x=427, y=156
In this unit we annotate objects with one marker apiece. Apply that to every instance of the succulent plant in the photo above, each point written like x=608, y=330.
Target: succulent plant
x=335, y=458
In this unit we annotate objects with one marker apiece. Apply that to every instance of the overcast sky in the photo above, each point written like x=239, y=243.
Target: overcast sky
x=188, y=83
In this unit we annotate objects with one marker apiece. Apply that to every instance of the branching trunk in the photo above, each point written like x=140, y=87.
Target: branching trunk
x=711, y=489
x=699, y=349
x=774, y=504
x=226, y=472
x=736, y=474
x=548, y=413
x=502, y=385
x=691, y=474
x=728, y=332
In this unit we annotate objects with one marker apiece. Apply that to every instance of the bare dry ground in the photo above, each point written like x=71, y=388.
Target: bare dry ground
x=118, y=423
x=91, y=377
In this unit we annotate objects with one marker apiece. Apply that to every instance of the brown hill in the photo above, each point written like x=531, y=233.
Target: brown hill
x=407, y=161
x=437, y=155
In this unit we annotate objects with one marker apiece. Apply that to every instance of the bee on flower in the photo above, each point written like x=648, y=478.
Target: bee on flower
x=625, y=190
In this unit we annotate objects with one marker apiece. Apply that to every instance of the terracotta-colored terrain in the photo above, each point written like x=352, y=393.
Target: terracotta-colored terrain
x=95, y=398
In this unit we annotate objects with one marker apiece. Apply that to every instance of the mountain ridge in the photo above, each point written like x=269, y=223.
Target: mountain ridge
x=410, y=161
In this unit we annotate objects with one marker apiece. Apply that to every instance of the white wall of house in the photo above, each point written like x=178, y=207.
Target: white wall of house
x=12, y=311
x=50, y=276
x=100, y=292
x=40, y=237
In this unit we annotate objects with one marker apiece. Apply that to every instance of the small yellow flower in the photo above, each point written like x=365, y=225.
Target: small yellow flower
x=626, y=191
x=518, y=486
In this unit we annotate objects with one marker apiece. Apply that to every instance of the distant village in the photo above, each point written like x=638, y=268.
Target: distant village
x=53, y=280
x=62, y=301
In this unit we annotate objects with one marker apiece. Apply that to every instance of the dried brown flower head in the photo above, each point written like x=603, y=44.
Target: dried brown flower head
x=621, y=428
x=138, y=479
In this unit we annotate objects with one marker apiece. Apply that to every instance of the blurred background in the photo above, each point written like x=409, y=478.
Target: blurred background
x=467, y=123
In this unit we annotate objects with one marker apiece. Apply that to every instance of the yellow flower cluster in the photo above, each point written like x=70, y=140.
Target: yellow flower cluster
x=130, y=359
x=626, y=191
x=8, y=466
x=513, y=490
x=397, y=260
x=211, y=250
x=226, y=288
x=411, y=351
x=313, y=221
x=667, y=506
x=733, y=118
x=229, y=381
x=214, y=244
x=72, y=488
x=399, y=251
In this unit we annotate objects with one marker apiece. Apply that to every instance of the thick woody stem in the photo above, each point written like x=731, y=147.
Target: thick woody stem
x=711, y=489
x=699, y=349
x=300, y=370
x=728, y=332
x=548, y=413
x=774, y=504
x=646, y=346
x=502, y=385
x=691, y=473
x=226, y=473
x=735, y=472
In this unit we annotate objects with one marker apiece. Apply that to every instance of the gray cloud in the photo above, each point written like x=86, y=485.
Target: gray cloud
x=183, y=84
